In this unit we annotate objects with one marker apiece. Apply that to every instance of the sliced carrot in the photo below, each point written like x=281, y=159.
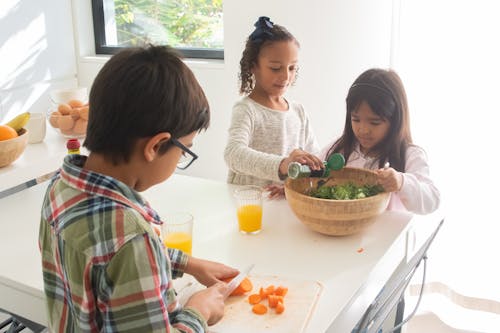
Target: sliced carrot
x=273, y=300
x=262, y=293
x=254, y=299
x=266, y=292
x=244, y=287
x=270, y=290
x=281, y=291
x=280, y=308
x=259, y=309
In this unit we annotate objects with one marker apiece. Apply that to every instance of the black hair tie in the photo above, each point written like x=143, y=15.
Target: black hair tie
x=262, y=30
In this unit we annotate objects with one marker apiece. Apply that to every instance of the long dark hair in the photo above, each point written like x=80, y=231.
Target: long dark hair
x=384, y=92
x=265, y=32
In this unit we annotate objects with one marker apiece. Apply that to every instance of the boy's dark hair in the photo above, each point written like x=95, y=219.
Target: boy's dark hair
x=384, y=92
x=265, y=33
x=139, y=93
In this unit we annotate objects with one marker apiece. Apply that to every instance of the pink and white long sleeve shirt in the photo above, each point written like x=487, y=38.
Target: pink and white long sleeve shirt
x=418, y=193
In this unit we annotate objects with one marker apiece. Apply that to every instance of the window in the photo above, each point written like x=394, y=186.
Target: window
x=194, y=27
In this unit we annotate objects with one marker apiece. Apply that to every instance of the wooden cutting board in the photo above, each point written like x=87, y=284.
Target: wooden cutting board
x=238, y=317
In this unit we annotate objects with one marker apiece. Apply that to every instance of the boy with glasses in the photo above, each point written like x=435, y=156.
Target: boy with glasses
x=104, y=267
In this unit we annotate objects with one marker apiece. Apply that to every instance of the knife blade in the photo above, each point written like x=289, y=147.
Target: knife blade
x=234, y=283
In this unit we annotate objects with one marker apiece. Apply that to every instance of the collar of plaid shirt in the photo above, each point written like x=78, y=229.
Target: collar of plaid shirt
x=95, y=184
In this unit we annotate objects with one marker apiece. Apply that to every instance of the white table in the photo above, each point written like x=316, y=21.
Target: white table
x=285, y=247
x=38, y=159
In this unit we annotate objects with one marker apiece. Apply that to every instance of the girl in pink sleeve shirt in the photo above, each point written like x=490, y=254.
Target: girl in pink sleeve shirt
x=377, y=136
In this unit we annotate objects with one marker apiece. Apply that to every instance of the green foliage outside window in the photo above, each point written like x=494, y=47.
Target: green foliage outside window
x=179, y=23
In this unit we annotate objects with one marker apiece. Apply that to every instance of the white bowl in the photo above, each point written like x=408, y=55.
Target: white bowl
x=65, y=95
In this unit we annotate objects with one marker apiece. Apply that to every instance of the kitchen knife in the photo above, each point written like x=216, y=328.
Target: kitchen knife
x=234, y=283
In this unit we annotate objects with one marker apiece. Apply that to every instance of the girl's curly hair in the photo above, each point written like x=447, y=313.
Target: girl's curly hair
x=265, y=33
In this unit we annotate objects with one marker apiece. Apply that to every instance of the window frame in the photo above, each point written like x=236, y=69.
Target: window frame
x=102, y=49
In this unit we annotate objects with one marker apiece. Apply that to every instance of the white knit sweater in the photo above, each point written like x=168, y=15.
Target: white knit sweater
x=260, y=138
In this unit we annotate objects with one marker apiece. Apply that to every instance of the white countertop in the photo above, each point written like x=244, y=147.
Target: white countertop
x=285, y=247
x=37, y=159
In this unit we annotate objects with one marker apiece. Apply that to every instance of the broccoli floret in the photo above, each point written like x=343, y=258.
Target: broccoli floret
x=347, y=191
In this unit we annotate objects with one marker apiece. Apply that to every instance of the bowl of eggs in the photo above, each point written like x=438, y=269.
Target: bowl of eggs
x=69, y=112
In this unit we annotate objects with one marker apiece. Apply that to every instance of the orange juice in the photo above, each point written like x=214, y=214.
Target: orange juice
x=250, y=218
x=179, y=240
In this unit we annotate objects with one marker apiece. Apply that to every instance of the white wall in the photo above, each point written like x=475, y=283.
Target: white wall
x=36, y=54
x=339, y=40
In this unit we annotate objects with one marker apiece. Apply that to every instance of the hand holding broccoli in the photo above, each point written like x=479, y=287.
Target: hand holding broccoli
x=390, y=179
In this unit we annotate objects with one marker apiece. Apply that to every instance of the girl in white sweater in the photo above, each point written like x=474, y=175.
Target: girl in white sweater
x=267, y=131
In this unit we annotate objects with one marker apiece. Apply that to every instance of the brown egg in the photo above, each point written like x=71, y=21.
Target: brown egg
x=53, y=119
x=75, y=113
x=84, y=112
x=80, y=126
x=68, y=132
x=65, y=122
x=64, y=108
x=75, y=103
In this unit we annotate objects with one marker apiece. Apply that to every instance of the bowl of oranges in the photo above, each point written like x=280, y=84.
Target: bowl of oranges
x=69, y=112
x=12, y=144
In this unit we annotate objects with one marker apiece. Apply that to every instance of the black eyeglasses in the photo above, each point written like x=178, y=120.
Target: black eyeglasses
x=187, y=157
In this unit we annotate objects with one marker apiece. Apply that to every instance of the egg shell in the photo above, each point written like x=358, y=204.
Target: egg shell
x=84, y=112
x=68, y=132
x=80, y=126
x=64, y=108
x=65, y=122
x=75, y=114
x=75, y=103
x=53, y=119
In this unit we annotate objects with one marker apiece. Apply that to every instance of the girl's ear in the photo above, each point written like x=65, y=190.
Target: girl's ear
x=153, y=144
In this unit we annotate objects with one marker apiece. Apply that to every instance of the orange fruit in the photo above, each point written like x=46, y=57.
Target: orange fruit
x=7, y=133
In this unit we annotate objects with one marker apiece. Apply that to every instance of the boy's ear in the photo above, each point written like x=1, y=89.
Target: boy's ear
x=153, y=145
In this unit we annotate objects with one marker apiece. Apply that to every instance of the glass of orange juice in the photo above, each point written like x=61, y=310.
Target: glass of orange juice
x=177, y=231
x=249, y=208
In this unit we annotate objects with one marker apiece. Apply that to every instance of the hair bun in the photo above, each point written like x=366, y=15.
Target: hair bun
x=262, y=30
x=264, y=22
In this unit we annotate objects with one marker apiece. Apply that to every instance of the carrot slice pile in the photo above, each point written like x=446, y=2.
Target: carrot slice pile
x=275, y=296
x=275, y=299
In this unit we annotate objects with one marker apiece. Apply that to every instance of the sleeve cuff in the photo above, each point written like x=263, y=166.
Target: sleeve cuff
x=197, y=315
x=179, y=260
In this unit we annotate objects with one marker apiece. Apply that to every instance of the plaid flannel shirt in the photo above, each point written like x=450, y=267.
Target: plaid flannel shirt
x=104, y=267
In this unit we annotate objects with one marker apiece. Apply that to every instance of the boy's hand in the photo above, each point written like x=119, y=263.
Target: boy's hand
x=276, y=191
x=209, y=272
x=209, y=302
x=390, y=179
x=302, y=157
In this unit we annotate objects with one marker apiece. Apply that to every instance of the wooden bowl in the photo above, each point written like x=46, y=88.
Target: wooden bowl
x=10, y=150
x=335, y=217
